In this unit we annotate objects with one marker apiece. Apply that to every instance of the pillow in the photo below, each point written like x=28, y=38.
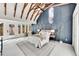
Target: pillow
x=38, y=35
x=43, y=34
x=33, y=40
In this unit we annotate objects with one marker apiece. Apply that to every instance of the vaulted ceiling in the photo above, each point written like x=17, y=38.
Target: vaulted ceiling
x=24, y=11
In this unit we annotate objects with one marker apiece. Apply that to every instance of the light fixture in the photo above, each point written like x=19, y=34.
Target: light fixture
x=51, y=15
x=38, y=30
x=53, y=31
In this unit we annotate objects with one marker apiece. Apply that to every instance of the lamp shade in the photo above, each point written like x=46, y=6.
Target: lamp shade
x=38, y=30
x=53, y=31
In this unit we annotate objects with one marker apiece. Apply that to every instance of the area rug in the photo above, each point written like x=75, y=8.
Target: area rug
x=30, y=50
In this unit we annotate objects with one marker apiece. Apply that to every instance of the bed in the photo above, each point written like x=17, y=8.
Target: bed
x=40, y=39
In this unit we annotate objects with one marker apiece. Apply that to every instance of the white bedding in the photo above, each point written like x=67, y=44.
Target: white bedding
x=34, y=40
x=40, y=39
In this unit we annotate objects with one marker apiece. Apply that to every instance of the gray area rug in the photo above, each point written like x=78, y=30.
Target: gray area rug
x=30, y=50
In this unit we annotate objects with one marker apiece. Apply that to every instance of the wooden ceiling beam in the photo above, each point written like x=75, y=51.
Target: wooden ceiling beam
x=35, y=10
x=15, y=9
x=36, y=15
x=60, y=4
x=32, y=15
x=41, y=8
x=33, y=5
x=56, y=5
x=5, y=8
x=25, y=4
x=46, y=7
x=29, y=11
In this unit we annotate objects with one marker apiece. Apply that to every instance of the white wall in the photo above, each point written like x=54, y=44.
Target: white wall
x=6, y=27
x=75, y=41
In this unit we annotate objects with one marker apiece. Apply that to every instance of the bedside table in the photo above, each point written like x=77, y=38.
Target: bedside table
x=52, y=36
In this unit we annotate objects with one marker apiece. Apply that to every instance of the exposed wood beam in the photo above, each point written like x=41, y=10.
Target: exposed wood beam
x=15, y=9
x=35, y=10
x=32, y=15
x=37, y=16
x=33, y=5
x=61, y=4
x=29, y=11
x=56, y=5
x=48, y=6
x=5, y=6
x=36, y=6
x=25, y=4
x=41, y=8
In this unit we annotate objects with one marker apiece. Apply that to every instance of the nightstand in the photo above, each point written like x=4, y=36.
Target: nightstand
x=52, y=36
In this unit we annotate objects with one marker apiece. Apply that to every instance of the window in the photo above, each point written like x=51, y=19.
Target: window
x=23, y=28
x=26, y=28
x=1, y=29
x=11, y=29
x=19, y=29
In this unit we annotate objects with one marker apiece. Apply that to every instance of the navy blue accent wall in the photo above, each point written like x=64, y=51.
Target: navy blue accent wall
x=42, y=21
x=62, y=22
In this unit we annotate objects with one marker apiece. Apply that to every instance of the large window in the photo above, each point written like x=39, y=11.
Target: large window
x=11, y=29
x=1, y=29
x=19, y=29
x=26, y=28
x=23, y=28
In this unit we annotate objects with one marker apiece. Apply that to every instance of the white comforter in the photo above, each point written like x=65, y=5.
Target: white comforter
x=34, y=40
x=40, y=39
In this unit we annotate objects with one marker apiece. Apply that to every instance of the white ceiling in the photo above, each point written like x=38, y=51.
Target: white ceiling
x=2, y=10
